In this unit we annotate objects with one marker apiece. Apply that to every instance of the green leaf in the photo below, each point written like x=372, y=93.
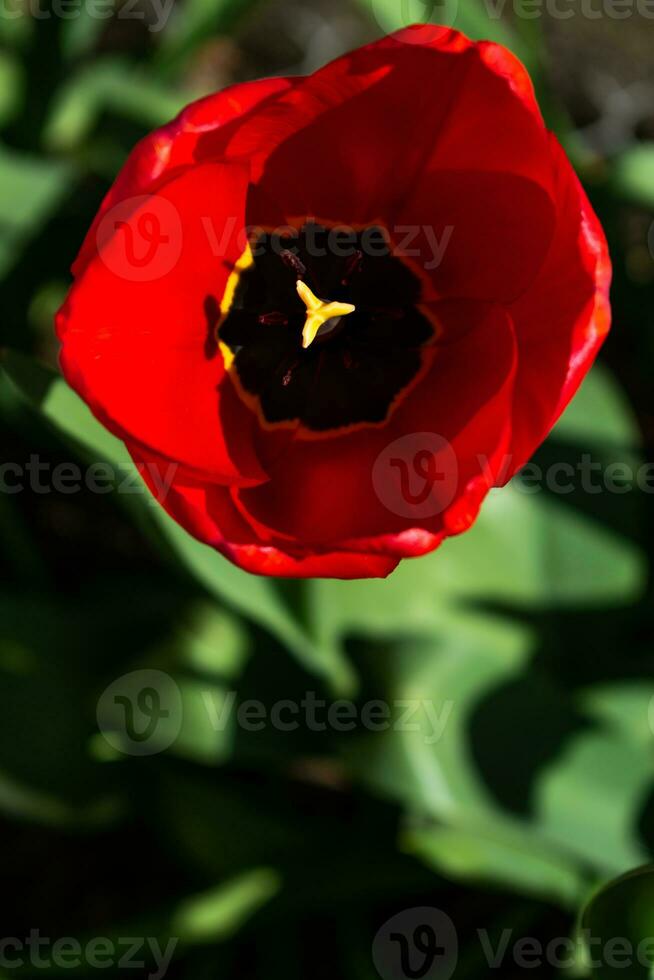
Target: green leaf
x=215, y=915
x=501, y=853
x=424, y=761
x=11, y=84
x=113, y=85
x=199, y=812
x=590, y=798
x=466, y=690
x=215, y=644
x=190, y=27
x=200, y=738
x=468, y=656
x=257, y=599
x=600, y=414
x=626, y=707
x=250, y=595
x=524, y=551
x=633, y=174
x=17, y=26
x=81, y=33
x=23, y=802
x=617, y=927
x=30, y=190
x=45, y=772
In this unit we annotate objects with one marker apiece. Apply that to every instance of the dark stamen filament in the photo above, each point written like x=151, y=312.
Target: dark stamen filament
x=293, y=262
x=274, y=319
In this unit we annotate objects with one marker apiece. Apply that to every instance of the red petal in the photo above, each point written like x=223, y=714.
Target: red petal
x=335, y=564
x=352, y=141
x=365, y=140
x=323, y=492
x=483, y=235
x=208, y=513
x=137, y=335
x=166, y=150
x=562, y=321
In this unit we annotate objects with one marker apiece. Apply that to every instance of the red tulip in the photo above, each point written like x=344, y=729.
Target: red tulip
x=344, y=306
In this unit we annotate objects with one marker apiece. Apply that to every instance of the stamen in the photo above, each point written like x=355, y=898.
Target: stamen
x=288, y=377
x=274, y=319
x=294, y=262
x=319, y=312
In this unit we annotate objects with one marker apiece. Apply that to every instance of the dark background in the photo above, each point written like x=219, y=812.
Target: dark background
x=280, y=854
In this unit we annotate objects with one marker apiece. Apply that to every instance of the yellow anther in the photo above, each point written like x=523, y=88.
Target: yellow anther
x=319, y=312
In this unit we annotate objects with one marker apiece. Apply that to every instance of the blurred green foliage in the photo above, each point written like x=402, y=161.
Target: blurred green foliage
x=280, y=853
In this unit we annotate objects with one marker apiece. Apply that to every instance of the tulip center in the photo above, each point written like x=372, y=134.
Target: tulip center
x=321, y=330
x=322, y=317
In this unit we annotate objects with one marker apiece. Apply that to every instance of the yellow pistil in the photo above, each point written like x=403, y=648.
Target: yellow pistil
x=319, y=312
